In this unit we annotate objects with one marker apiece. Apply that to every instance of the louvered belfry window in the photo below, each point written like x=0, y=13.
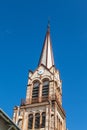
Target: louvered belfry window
x=30, y=121
x=37, y=120
x=43, y=120
x=45, y=88
x=35, y=91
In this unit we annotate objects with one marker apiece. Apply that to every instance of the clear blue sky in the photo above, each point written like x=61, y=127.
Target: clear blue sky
x=22, y=30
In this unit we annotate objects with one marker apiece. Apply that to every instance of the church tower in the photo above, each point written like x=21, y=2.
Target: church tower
x=42, y=108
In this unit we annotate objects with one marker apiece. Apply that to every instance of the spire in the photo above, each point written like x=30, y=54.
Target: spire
x=46, y=57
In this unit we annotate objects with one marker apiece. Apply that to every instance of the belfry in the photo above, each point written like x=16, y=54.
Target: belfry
x=42, y=108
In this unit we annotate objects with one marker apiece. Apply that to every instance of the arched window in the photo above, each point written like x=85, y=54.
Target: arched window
x=30, y=121
x=43, y=120
x=35, y=91
x=19, y=123
x=45, y=88
x=52, y=121
x=37, y=120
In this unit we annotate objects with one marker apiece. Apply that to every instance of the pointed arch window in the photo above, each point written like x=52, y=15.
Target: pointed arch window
x=30, y=121
x=35, y=91
x=45, y=88
x=19, y=123
x=37, y=120
x=43, y=120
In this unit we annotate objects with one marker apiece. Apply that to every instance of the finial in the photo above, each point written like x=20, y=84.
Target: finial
x=48, y=26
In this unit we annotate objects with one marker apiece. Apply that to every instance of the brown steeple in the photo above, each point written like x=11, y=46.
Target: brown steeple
x=46, y=57
x=42, y=109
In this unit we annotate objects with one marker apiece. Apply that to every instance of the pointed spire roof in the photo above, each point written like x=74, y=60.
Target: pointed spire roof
x=46, y=57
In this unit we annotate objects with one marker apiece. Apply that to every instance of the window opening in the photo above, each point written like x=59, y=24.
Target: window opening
x=30, y=121
x=37, y=120
x=45, y=89
x=43, y=120
x=35, y=90
x=19, y=123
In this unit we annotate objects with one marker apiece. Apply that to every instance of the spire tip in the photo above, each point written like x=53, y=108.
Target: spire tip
x=48, y=26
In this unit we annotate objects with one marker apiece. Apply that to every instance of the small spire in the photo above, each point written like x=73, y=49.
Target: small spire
x=46, y=57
